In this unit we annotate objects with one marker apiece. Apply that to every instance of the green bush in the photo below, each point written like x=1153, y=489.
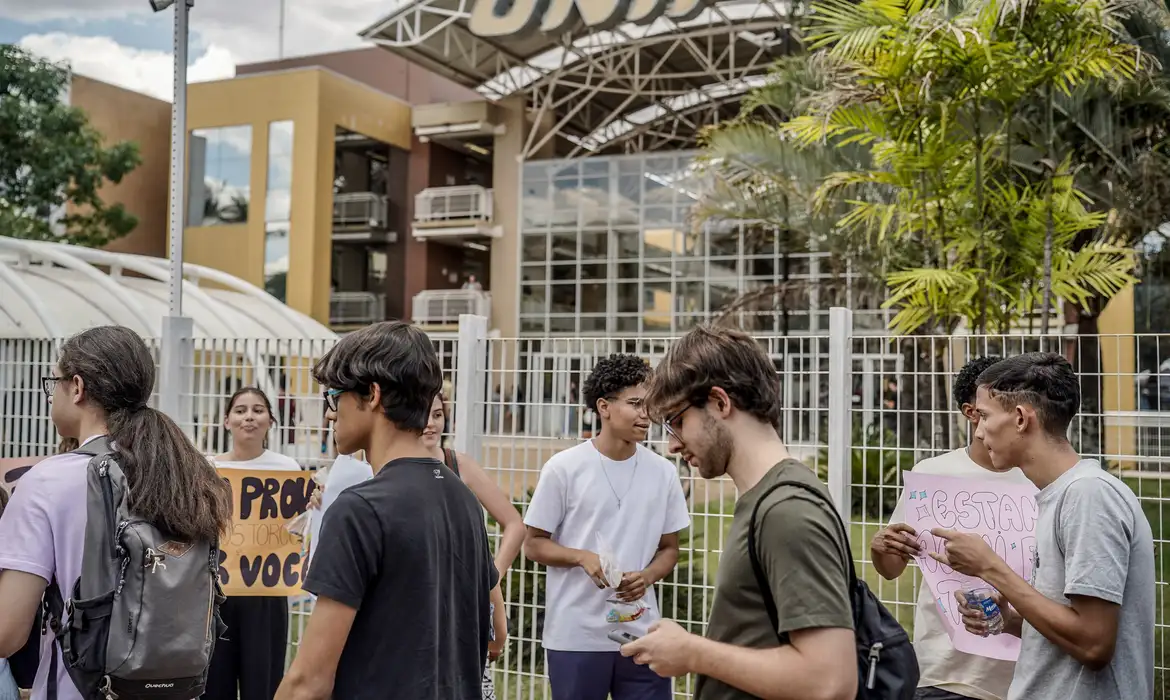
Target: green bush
x=876, y=464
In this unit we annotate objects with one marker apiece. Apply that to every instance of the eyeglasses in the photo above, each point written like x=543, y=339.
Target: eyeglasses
x=668, y=424
x=48, y=384
x=331, y=398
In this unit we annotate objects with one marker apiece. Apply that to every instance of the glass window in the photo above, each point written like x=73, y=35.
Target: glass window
x=593, y=298
x=219, y=176
x=276, y=259
x=594, y=245
x=280, y=162
x=534, y=248
x=563, y=298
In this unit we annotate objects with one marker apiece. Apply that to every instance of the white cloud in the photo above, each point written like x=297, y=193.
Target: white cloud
x=232, y=31
x=149, y=72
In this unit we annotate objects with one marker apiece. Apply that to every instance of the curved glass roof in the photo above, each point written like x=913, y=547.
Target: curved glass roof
x=610, y=87
x=53, y=290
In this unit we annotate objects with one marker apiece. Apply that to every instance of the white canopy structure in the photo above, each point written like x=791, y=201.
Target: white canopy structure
x=53, y=290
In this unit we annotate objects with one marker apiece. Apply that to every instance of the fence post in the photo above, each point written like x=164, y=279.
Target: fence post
x=840, y=408
x=469, y=385
x=176, y=369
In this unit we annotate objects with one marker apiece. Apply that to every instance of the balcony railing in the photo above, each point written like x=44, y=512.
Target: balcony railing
x=463, y=203
x=359, y=210
x=443, y=306
x=352, y=308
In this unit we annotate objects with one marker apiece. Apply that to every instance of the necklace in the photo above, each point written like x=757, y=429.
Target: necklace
x=605, y=473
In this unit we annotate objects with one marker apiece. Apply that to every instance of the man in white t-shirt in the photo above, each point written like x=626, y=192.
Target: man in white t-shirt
x=610, y=492
x=947, y=674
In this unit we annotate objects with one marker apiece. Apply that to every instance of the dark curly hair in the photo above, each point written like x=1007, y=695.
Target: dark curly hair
x=613, y=374
x=966, y=382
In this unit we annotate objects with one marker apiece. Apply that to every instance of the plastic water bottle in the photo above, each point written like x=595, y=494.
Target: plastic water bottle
x=980, y=597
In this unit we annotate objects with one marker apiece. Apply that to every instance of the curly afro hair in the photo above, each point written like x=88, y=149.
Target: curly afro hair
x=966, y=382
x=613, y=374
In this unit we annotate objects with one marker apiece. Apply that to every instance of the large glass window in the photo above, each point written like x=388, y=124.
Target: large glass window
x=277, y=208
x=219, y=175
x=609, y=245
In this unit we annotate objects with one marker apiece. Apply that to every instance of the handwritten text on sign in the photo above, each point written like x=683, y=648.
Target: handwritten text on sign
x=261, y=557
x=1004, y=513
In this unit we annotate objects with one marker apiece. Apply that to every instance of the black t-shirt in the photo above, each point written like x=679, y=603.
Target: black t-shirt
x=408, y=550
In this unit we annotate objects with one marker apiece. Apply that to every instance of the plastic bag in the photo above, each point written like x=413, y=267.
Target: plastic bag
x=619, y=610
x=299, y=526
x=609, y=565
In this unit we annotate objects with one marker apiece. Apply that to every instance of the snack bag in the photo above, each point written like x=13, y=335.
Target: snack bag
x=619, y=611
x=299, y=526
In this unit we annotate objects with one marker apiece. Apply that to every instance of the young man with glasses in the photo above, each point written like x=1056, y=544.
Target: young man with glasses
x=403, y=579
x=718, y=395
x=615, y=492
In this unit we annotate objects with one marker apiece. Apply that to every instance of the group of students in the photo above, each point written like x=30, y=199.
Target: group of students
x=407, y=589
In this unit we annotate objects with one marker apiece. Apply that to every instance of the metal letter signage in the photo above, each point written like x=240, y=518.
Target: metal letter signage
x=502, y=20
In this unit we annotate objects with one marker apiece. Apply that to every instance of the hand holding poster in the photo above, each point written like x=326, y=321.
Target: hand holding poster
x=260, y=556
x=1003, y=513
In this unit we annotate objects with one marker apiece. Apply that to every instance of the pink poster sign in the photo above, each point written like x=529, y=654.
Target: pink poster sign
x=1003, y=513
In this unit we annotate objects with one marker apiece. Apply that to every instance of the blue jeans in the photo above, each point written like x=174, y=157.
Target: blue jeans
x=8, y=689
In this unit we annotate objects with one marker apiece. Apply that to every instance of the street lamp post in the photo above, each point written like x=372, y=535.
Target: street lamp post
x=177, y=329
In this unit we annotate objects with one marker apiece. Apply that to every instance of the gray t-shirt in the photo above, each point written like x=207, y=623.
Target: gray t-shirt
x=1092, y=539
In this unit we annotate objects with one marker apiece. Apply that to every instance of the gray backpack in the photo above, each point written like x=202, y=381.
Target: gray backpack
x=142, y=620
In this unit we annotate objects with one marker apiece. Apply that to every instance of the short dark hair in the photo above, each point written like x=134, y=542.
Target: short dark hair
x=396, y=356
x=712, y=356
x=1045, y=380
x=611, y=375
x=966, y=382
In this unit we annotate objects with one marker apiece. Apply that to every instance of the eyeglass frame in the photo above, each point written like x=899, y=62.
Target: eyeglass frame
x=697, y=399
x=48, y=385
x=330, y=396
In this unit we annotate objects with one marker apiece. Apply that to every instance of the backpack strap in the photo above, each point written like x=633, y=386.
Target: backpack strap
x=97, y=447
x=451, y=461
x=757, y=567
x=52, y=610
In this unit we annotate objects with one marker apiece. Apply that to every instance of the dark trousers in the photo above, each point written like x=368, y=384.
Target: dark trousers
x=937, y=694
x=596, y=675
x=249, y=662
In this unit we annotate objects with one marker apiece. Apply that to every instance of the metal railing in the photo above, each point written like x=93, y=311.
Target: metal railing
x=360, y=210
x=356, y=307
x=462, y=203
x=444, y=306
x=859, y=410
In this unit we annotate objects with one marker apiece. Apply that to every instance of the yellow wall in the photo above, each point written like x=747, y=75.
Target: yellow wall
x=1118, y=367
x=316, y=101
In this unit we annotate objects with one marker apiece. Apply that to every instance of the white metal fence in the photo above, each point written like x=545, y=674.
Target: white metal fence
x=859, y=410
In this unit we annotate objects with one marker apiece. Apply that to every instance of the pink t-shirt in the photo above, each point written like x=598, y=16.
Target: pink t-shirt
x=42, y=532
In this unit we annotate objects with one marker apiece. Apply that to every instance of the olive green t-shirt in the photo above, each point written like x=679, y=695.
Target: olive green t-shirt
x=805, y=558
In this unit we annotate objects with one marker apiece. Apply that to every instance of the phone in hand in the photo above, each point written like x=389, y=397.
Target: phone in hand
x=622, y=637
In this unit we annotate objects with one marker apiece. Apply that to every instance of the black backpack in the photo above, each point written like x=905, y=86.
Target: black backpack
x=887, y=667
x=142, y=619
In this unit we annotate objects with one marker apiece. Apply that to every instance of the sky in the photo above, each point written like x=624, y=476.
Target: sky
x=126, y=43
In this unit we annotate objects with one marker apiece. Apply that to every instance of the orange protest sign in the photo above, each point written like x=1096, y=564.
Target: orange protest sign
x=260, y=557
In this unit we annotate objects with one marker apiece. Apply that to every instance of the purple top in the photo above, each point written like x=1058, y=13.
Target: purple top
x=42, y=532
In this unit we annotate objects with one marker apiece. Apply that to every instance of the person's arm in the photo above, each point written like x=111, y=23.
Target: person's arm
x=546, y=512
x=805, y=563
x=314, y=669
x=1096, y=527
x=893, y=546
x=1085, y=630
x=818, y=664
x=676, y=519
x=499, y=506
x=635, y=583
x=540, y=548
x=340, y=576
x=21, y=593
x=27, y=554
x=499, y=625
